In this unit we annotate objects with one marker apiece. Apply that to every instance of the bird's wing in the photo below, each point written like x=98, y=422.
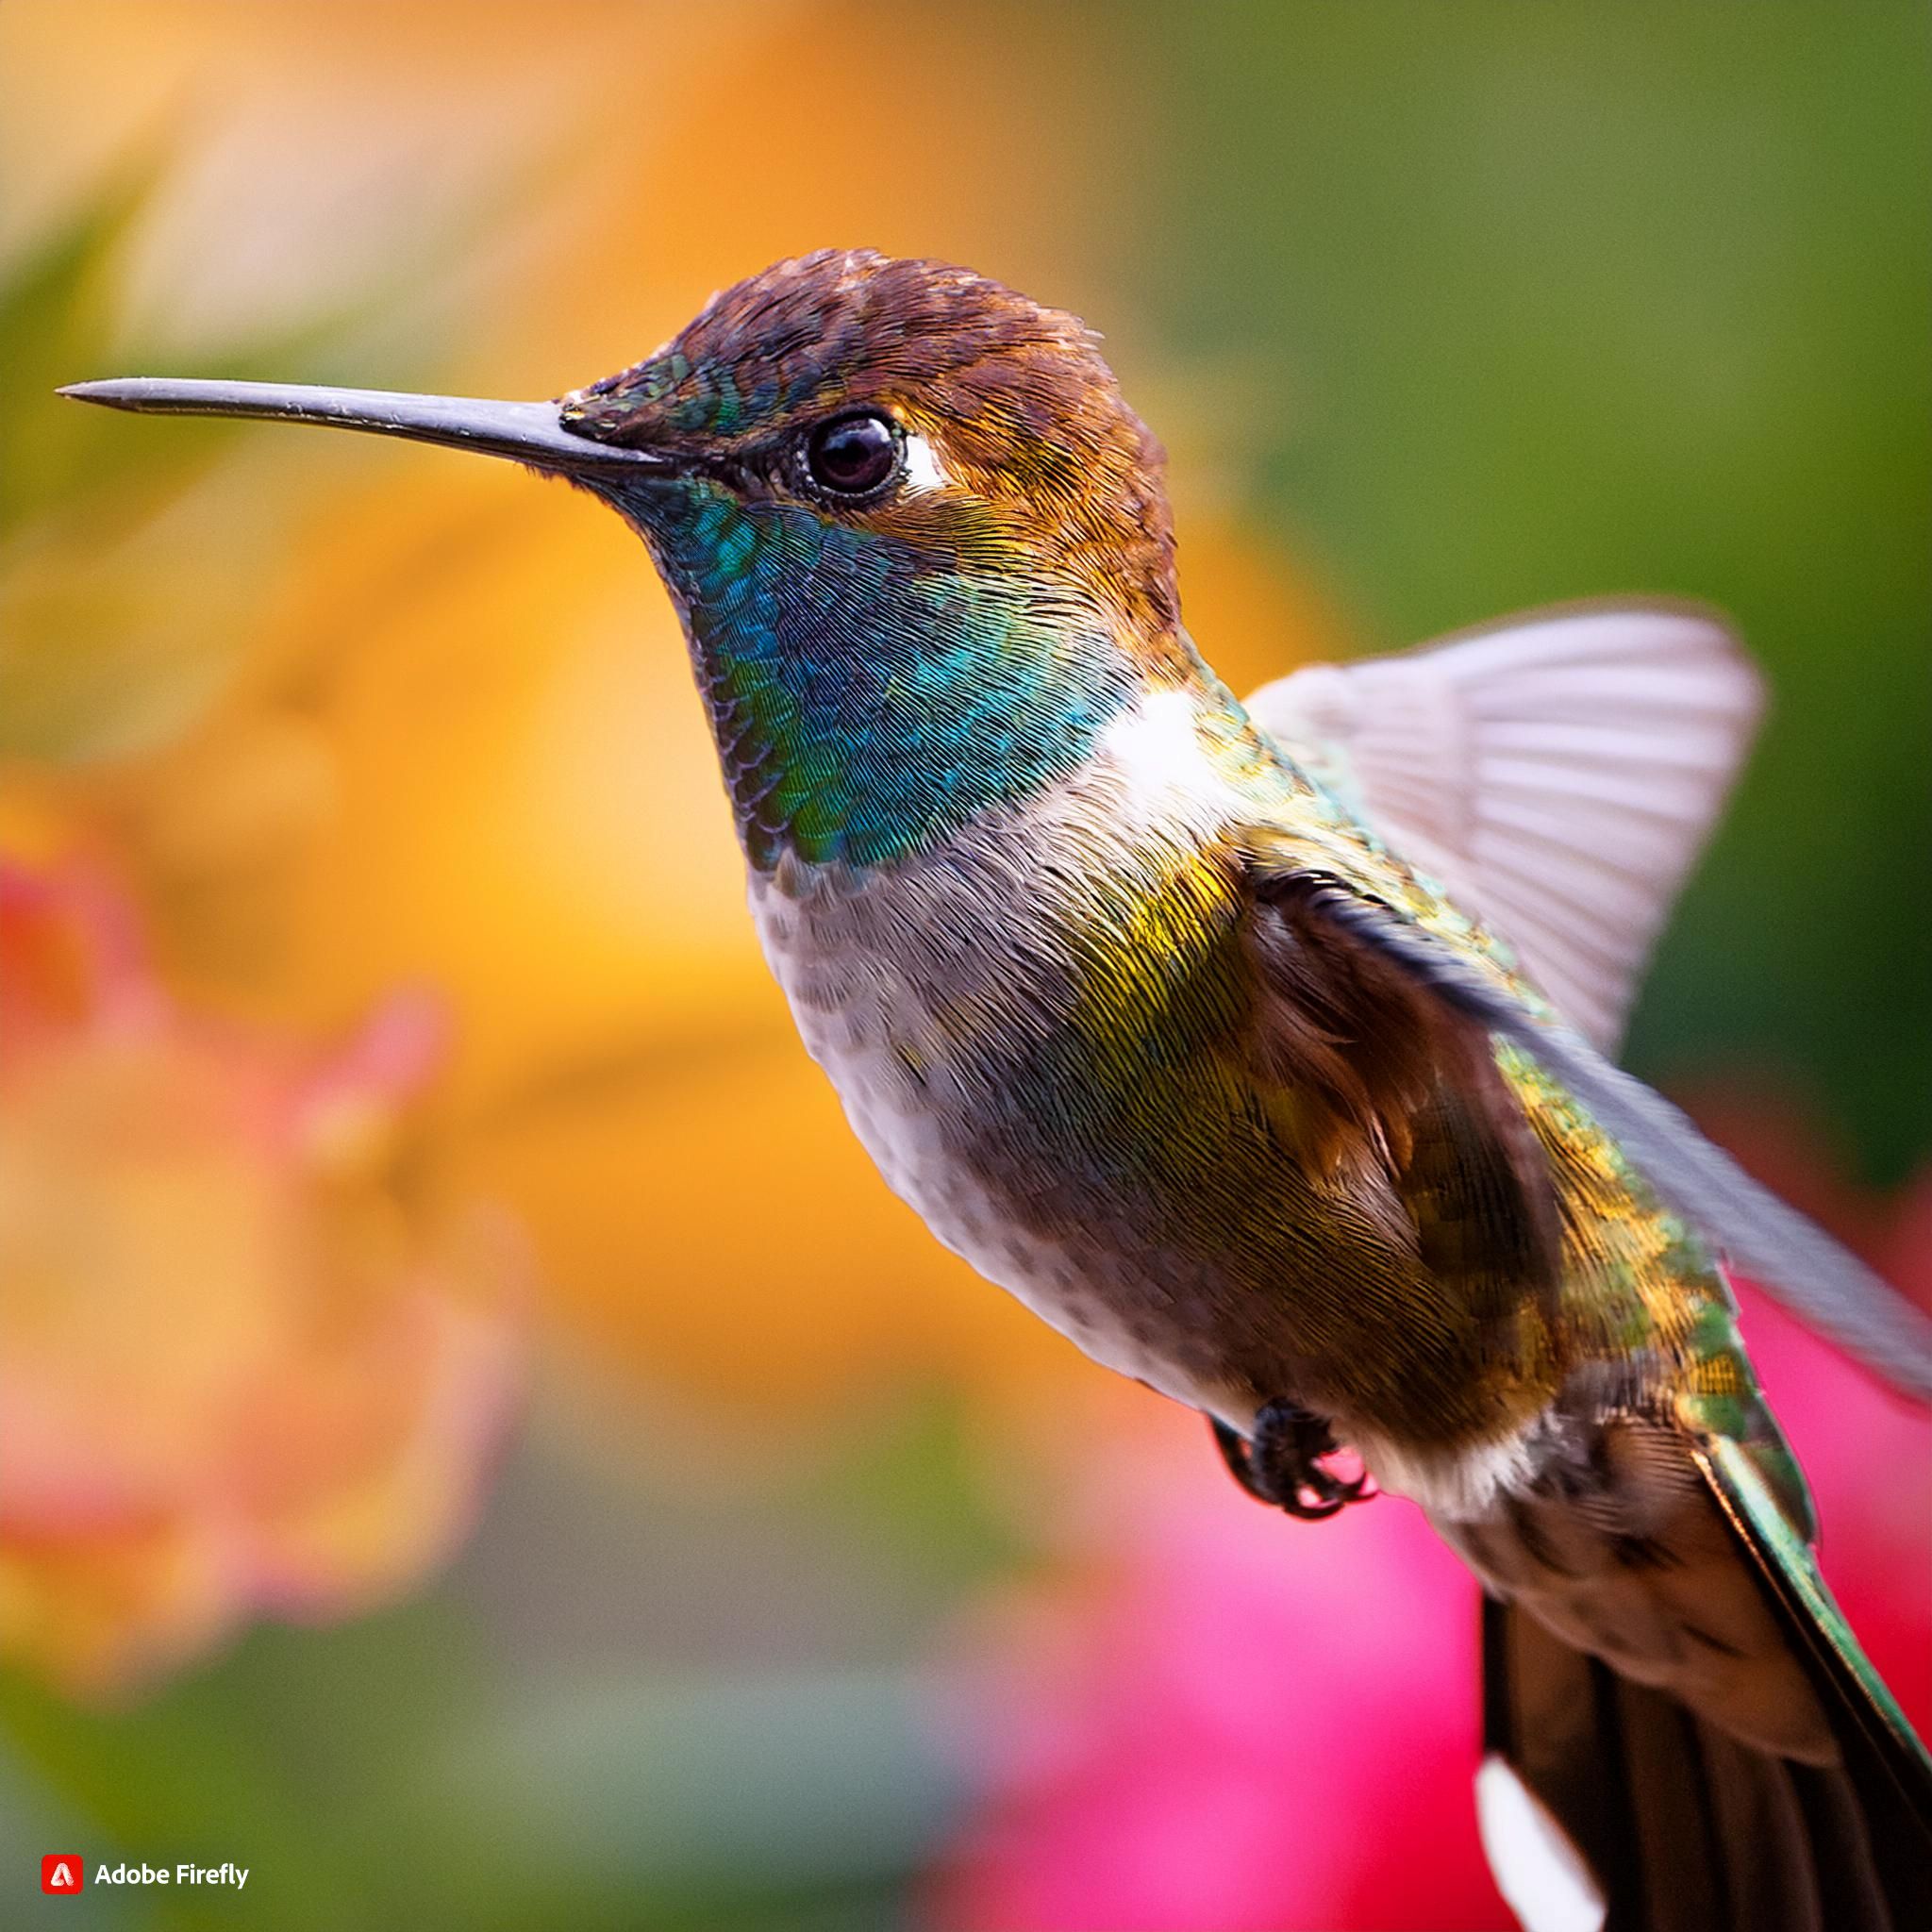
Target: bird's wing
x=1558, y=773
x=1347, y=925
x=1882, y=1753
x=1384, y=1072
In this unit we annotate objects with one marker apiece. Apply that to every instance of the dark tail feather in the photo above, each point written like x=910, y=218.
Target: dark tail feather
x=1683, y=1828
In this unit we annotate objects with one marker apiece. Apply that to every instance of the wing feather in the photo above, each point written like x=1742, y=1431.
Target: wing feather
x=1821, y=1282
x=1557, y=774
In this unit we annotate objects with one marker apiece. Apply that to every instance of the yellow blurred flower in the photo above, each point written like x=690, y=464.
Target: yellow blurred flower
x=254, y=1358
x=457, y=741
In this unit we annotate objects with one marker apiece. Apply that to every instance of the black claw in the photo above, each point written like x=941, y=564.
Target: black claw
x=1281, y=1463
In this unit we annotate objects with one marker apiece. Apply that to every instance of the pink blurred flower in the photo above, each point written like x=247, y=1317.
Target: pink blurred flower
x=1213, y=1718
x=251, y=1361
x=1225, y=1720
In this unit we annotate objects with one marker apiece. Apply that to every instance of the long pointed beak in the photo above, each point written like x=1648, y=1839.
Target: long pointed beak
x=526, y=432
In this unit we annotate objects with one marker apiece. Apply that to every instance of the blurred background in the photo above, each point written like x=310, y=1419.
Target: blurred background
x=477, y=1442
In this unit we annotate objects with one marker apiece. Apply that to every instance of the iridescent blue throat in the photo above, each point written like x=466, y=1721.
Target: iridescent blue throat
x=868, y=698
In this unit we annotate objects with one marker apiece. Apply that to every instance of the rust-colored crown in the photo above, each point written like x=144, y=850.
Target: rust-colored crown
x=1046, y=462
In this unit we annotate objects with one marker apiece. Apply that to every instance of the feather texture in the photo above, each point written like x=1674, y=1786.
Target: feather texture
x=1822, y=1283
x=1681, y=1827
x=1885, y=1757
x=1557, y=773
x=1678, y=1826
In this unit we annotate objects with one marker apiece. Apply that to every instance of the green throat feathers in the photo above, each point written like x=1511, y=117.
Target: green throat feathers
x=869, y=698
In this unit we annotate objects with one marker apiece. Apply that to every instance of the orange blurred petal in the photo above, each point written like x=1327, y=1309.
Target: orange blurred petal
x=253, y=1354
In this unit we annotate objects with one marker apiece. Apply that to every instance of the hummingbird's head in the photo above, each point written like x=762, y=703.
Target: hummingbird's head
x=919, y=541
x=933, y=411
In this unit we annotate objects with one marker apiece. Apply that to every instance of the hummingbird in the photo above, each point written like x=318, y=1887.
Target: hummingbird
x=1266, y=1049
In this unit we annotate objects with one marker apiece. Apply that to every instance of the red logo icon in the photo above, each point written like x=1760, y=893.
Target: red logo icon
x=62, y=1871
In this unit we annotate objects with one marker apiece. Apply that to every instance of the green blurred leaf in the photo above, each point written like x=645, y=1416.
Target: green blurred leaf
x=113, y=636
x=729, y=1794
x=56, y=304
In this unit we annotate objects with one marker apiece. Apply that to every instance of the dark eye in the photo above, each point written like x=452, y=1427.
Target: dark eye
x=852, y=455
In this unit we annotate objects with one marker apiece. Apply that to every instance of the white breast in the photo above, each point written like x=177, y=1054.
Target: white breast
x=886, y=971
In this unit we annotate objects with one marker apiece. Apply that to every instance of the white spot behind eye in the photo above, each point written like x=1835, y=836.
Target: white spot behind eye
x=924, y=472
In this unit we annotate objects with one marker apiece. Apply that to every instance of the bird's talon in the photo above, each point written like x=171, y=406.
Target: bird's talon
x=1281, y=1463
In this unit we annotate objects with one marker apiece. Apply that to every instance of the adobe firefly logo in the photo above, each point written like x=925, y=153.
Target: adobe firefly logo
x=62, y=1871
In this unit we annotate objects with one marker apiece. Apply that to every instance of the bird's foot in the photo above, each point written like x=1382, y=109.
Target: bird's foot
x=1281, y=1463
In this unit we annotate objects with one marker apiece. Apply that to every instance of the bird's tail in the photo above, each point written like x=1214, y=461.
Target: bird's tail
x=1667, y=1822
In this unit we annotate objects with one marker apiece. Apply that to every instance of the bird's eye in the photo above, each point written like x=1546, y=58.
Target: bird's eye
x=852, y=455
